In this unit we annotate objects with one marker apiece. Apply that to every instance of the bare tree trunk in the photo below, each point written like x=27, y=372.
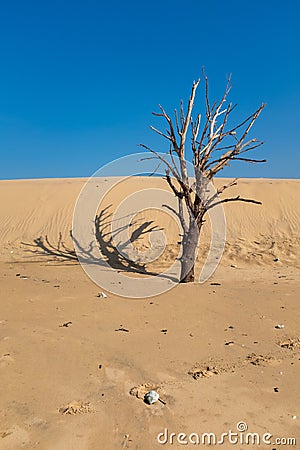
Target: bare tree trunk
x=189, y=254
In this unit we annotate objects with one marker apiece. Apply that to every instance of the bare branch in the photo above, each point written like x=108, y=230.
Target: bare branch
x=218, y=136
x=235, y=158
x=177, y=122
x=234, y=199
x=219, y=191
x=174, y=162
x=206, y=93
x=178, y=193
x=179, y=214
x=160, y=133
x=172, y=135
x=241, y=124
x=157, y=155
x=239, y=147
x=250, y=160
x=188, y=117
x=215, y=134
x=182, y=116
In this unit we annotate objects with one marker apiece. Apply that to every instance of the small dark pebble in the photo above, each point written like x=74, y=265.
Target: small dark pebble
x=215, y=284
x=231, y=327
x=229, y=343
x=164, y=331
x=276, y=389
x=151, y=303
x=18, y=274
x=122, y=329
x=100, y=366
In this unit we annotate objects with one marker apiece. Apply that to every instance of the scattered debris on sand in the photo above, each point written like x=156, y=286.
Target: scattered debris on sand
x=259, y=360
x=291, y=344
x=142, y=389
x=76, y=407
x=65, y=324
x=4, y=434
x=229, y=343
x=207, y=372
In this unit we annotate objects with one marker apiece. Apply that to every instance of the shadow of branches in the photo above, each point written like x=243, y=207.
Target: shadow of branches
x=105, y=239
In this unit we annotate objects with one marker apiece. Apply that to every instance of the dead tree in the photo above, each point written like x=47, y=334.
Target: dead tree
x=214, y=145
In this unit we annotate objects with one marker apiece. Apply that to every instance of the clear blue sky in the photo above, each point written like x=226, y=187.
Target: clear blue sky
x=79, y=79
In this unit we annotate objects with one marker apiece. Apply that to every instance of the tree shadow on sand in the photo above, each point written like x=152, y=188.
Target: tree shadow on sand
x=105, y=240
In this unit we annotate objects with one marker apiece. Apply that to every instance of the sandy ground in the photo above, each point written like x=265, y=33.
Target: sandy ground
x=74, y=367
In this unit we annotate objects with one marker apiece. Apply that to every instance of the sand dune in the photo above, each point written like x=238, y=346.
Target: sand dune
x=256, y=234
x=74, y=366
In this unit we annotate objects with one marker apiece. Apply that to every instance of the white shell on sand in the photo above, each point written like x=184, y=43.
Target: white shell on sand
x=151, y=397
x=102, y=295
